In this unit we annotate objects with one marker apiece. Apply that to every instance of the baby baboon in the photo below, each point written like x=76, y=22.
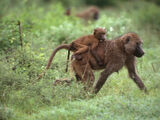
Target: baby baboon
x=82, y=45
x=91, y=13
x=116, y=53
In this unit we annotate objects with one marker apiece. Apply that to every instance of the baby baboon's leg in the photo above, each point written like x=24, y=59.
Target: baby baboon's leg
x=81, y=48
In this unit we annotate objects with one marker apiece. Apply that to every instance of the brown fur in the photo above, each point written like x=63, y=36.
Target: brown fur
x=115, y=54
x=81, y=45
x=68, y=12
x=91, y=13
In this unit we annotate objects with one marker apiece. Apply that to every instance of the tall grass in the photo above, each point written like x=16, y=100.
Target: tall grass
x=44, y=27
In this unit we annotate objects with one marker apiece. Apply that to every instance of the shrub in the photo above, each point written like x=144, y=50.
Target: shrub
x=6, y=113
x=9, y=80
x=9, y=36
x=147, y=14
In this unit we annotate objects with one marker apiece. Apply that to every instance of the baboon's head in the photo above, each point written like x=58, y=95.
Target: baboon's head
x=96, y=16
x=133, y=44
x=100, y=34
x=68, y=12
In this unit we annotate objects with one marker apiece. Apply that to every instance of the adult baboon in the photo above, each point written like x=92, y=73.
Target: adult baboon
x=68, y=12
x=115, y=54
x=91, y=13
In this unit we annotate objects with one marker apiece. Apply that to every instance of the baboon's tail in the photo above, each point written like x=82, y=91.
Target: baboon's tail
x=64, y=46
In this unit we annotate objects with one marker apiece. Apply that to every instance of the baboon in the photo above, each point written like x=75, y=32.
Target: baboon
x=68, y=12
x=81, y=45
x=115, y=54
x=91, y=13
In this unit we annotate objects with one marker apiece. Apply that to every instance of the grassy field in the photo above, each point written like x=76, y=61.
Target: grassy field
x=23, y=97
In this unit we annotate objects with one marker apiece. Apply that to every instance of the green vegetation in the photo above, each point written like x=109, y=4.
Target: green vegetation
x=44, y=26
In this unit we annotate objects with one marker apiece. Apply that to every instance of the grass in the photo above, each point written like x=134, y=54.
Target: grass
x=23, y=97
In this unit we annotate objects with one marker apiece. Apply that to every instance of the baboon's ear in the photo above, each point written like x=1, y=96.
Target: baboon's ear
x=127, y=40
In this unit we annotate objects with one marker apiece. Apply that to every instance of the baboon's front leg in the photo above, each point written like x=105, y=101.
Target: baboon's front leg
x=110, y=68
x=131, y=66
x=103, y=77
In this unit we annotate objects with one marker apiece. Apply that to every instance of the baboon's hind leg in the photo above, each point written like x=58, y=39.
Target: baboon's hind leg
x=83, y=73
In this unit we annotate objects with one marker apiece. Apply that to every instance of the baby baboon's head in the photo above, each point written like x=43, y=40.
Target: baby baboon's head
x=100, y=34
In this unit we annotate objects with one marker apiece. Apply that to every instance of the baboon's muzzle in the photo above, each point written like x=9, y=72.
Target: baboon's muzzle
x=139, y=52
